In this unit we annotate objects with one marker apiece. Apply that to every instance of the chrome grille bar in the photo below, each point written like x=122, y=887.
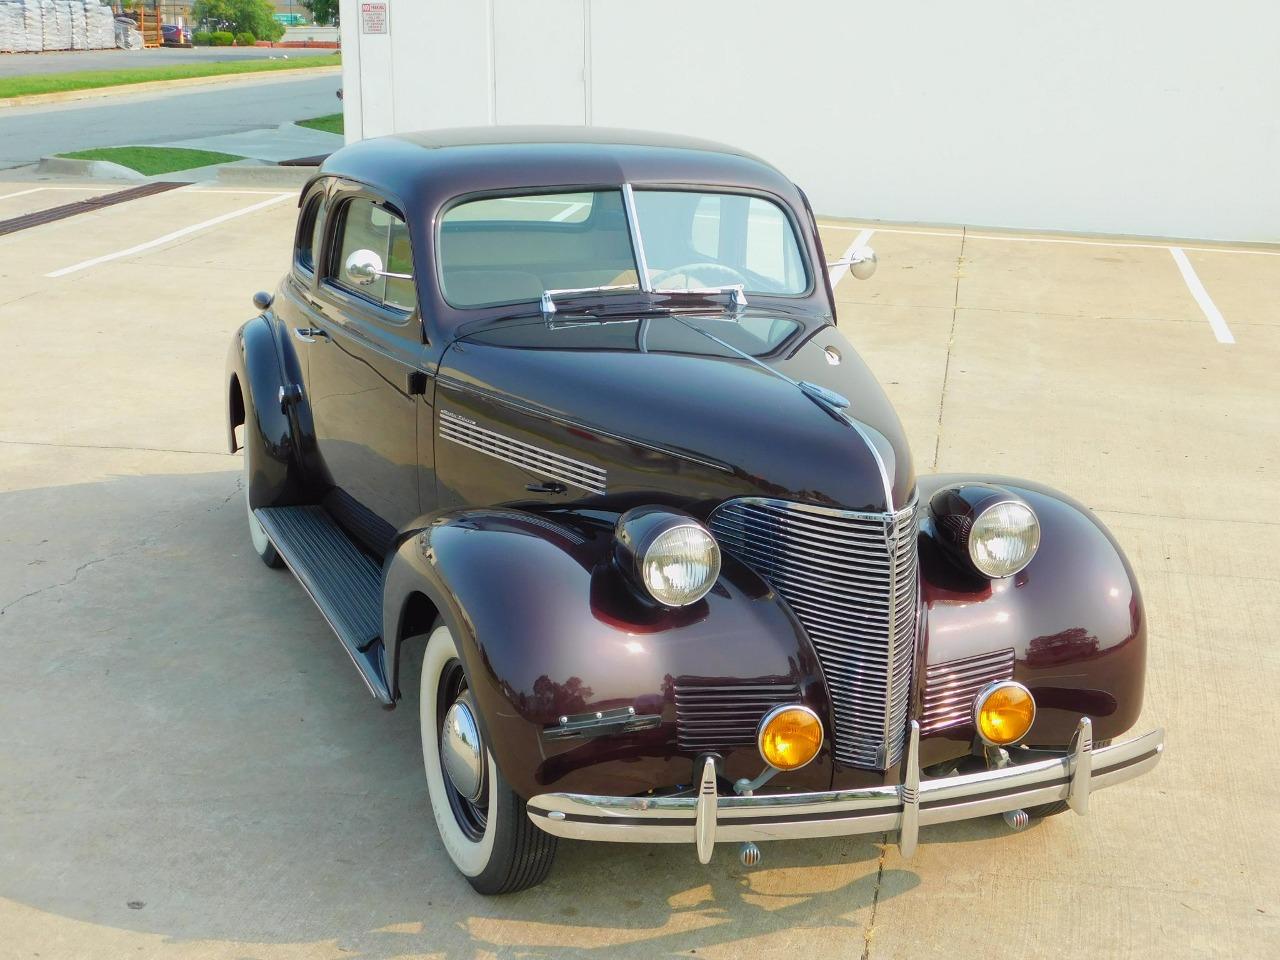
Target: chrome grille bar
x=950, y=686
x=851, y=579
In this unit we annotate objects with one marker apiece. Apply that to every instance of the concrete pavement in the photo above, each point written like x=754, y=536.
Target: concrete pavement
x=192, y=769
x=28, y=133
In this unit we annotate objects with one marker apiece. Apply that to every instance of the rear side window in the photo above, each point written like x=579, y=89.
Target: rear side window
x=307, y=242
x=364, y=225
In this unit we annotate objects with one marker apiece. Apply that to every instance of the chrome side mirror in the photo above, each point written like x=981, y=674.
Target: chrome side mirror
x=365, y=266
x=861, y=263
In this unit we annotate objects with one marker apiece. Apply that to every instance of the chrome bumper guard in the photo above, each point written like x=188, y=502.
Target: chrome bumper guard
x=709, y=817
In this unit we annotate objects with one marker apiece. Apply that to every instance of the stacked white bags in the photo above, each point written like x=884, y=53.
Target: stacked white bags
x=11, y=27
x=29, y=26
x=100, y=26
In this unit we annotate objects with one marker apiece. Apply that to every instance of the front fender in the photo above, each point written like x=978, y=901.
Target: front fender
x=1073, y=617
x=548, y=628
x=256, y=373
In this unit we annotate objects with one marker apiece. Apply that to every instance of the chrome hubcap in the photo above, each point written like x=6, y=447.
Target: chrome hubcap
x=462, y=750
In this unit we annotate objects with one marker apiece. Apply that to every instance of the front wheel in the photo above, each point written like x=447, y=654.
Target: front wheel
x=482, y=822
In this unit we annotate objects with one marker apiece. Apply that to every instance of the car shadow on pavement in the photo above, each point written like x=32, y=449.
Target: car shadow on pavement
x=189, y=757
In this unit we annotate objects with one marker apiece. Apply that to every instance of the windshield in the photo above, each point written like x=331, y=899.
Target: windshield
x=511, y=249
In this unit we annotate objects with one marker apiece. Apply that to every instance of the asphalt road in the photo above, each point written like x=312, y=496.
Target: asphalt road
x=29, y=133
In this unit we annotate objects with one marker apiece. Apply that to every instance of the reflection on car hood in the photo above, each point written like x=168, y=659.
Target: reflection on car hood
x=682, y=383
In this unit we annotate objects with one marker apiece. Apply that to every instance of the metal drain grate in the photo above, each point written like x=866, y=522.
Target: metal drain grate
x=53, y=214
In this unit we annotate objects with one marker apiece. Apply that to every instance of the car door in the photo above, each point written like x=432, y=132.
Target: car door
x=364, y=370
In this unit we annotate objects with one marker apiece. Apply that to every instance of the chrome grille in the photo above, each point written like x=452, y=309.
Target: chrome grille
x=851, y=578
x=949, y=687
x=725, y=715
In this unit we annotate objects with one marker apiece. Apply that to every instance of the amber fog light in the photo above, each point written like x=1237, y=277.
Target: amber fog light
x=789, y=737
x=1003, y=712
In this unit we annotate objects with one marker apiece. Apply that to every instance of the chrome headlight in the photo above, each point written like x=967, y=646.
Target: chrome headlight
x=986, y=528
x=1004, y=538
x=671, y=556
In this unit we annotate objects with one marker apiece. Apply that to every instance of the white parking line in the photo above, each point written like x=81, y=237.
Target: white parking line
x=1086, y=243
x=1211, y=312
x=838, y=272
x=21, y=193
x=159, y=241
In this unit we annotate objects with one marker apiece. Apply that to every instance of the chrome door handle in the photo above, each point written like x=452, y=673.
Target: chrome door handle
x=310, y=334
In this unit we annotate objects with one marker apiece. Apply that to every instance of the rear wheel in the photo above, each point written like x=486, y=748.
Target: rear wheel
x=482, y=822
x=261, y=542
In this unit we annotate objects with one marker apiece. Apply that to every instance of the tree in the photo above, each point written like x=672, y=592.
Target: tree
x=239, y=16
x=323, y=12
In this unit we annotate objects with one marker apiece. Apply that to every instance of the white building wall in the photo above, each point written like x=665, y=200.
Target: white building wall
x=1153, y=117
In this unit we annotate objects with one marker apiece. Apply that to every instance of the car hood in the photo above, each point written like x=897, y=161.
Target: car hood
x=671, y=405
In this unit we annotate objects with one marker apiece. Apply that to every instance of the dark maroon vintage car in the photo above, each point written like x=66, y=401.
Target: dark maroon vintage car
x=564, y=415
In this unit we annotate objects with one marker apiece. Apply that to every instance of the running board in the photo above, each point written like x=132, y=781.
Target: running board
x=344, y=583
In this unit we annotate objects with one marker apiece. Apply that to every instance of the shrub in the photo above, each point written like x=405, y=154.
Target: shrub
x=221, y=38
x=202, y=38
x=245, y=39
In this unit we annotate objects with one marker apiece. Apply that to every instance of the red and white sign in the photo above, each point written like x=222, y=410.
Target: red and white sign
x=373, y=17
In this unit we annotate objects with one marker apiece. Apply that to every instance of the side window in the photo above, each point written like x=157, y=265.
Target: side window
x=363, y=225
x=307, y=242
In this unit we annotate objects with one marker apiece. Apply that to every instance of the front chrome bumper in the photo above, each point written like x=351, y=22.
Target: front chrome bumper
x=709, y=817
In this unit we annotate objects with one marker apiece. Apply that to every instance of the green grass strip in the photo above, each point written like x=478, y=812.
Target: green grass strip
x=88, y=79
x=154, y=160
x=330, y=123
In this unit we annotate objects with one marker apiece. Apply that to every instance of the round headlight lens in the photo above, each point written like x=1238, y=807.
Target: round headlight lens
x=1003, y=712
x=789, y=737
x=680, y=565
x=1004, y=538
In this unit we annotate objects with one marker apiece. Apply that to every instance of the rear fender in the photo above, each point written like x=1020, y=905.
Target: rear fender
x=547, y=627
x=260, y=376
x=1073, y=617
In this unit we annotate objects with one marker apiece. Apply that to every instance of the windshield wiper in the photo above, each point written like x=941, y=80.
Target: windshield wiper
x=547, y=302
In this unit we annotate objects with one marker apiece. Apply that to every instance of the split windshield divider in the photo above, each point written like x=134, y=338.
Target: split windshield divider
x=547, y=302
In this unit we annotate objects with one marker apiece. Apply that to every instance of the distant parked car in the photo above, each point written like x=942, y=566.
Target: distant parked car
x=175, y=35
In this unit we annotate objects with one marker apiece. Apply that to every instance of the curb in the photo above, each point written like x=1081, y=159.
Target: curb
x=98, y=169
x=150, y=86
x=264, y=175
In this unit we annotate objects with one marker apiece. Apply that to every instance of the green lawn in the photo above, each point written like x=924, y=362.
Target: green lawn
x=153, y=160
x=332, y=123
x=87, y=79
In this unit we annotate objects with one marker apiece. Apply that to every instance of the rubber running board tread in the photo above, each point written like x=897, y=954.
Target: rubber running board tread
x=345, y=584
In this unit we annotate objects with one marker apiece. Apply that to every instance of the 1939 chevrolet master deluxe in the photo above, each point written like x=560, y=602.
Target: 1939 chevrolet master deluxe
x=565, y=414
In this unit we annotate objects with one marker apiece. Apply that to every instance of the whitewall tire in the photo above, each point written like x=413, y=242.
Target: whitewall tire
x=261, y=542
x=491, y=840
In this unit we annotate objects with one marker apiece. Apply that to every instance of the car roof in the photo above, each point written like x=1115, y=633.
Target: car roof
x=423, y=171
